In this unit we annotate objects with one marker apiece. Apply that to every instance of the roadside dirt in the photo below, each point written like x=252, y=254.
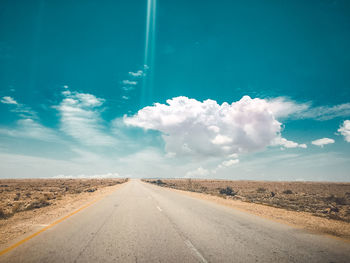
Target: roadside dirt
x=303, y=220
x=21, y=223
x=324, y=199
x=320, y=207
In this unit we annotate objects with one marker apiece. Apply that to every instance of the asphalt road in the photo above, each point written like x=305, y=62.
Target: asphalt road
x=145, y=223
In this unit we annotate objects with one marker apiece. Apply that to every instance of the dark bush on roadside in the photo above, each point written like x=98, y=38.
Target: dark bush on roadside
x=159, y=182
x=287, y=192
x=227, y=191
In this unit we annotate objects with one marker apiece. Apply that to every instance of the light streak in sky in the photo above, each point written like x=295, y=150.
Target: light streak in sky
x=147, y=85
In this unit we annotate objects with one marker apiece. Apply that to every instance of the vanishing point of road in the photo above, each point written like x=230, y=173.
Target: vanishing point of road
x=145, y=223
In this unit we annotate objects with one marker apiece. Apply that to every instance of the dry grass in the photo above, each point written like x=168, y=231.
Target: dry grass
x=18, y=195
x=327, y=200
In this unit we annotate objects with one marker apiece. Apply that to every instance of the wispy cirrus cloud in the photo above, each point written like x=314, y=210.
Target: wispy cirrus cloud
x=28, y=125
x=137, y=74
x=283, y=107
x=21, y=110
x=129, y=82
x=8, y=100
x=80, y=118
x=28, y=128
x=324, y=113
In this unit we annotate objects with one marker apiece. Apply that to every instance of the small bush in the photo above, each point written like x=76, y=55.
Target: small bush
x=2, y=214
x=337, y=200
x=227, y=191
x=16, y=207
x=38, y=204
x=287, y=192
x=159, y=182
x=272, y=194
x=261, y=190
x=18, y=195
x=340, y=201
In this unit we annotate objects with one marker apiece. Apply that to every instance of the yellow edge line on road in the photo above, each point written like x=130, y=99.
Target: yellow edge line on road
x=47, y=227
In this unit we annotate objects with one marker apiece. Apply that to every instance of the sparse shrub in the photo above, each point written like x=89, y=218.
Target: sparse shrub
x=91, y=190
x=337, y=200
x=261, y=190
x=18, y=195
x=272, y=194
x=227, y=191
x=47, y=196
x=2, y=214
x=189, y=184
x=16, y=207
x=340, y=201
x=287, y=192
x=159, y=182
x=37, y=204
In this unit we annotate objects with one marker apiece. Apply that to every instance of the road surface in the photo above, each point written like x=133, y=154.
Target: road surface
x=145, y=223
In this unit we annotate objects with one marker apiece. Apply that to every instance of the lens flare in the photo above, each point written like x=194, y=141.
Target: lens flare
x=147, y=85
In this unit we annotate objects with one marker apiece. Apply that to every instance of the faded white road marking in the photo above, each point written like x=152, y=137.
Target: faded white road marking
x=159, y=209
x=197, y=253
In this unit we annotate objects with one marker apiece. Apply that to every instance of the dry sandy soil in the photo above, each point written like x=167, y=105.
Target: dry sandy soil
x=316, y=206
x=29, y=204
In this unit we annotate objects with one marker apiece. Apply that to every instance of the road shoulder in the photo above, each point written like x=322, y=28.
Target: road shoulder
x=303, y=220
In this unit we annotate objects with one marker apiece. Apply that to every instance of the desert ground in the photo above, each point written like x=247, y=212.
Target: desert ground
x=25, y=204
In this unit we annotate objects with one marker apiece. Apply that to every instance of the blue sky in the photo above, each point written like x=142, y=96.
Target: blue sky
x=243, y=89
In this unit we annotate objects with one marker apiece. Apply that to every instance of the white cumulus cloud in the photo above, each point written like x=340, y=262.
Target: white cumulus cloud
x=200, y=171
x=322, y=142
x=288, y=144
x=345, y=130
x=189, y=126
x=230, y=162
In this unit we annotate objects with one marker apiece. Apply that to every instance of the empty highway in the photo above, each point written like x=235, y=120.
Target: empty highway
x=144, y=223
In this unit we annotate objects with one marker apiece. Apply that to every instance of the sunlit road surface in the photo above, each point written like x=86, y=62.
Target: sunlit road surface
x=145, y=223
